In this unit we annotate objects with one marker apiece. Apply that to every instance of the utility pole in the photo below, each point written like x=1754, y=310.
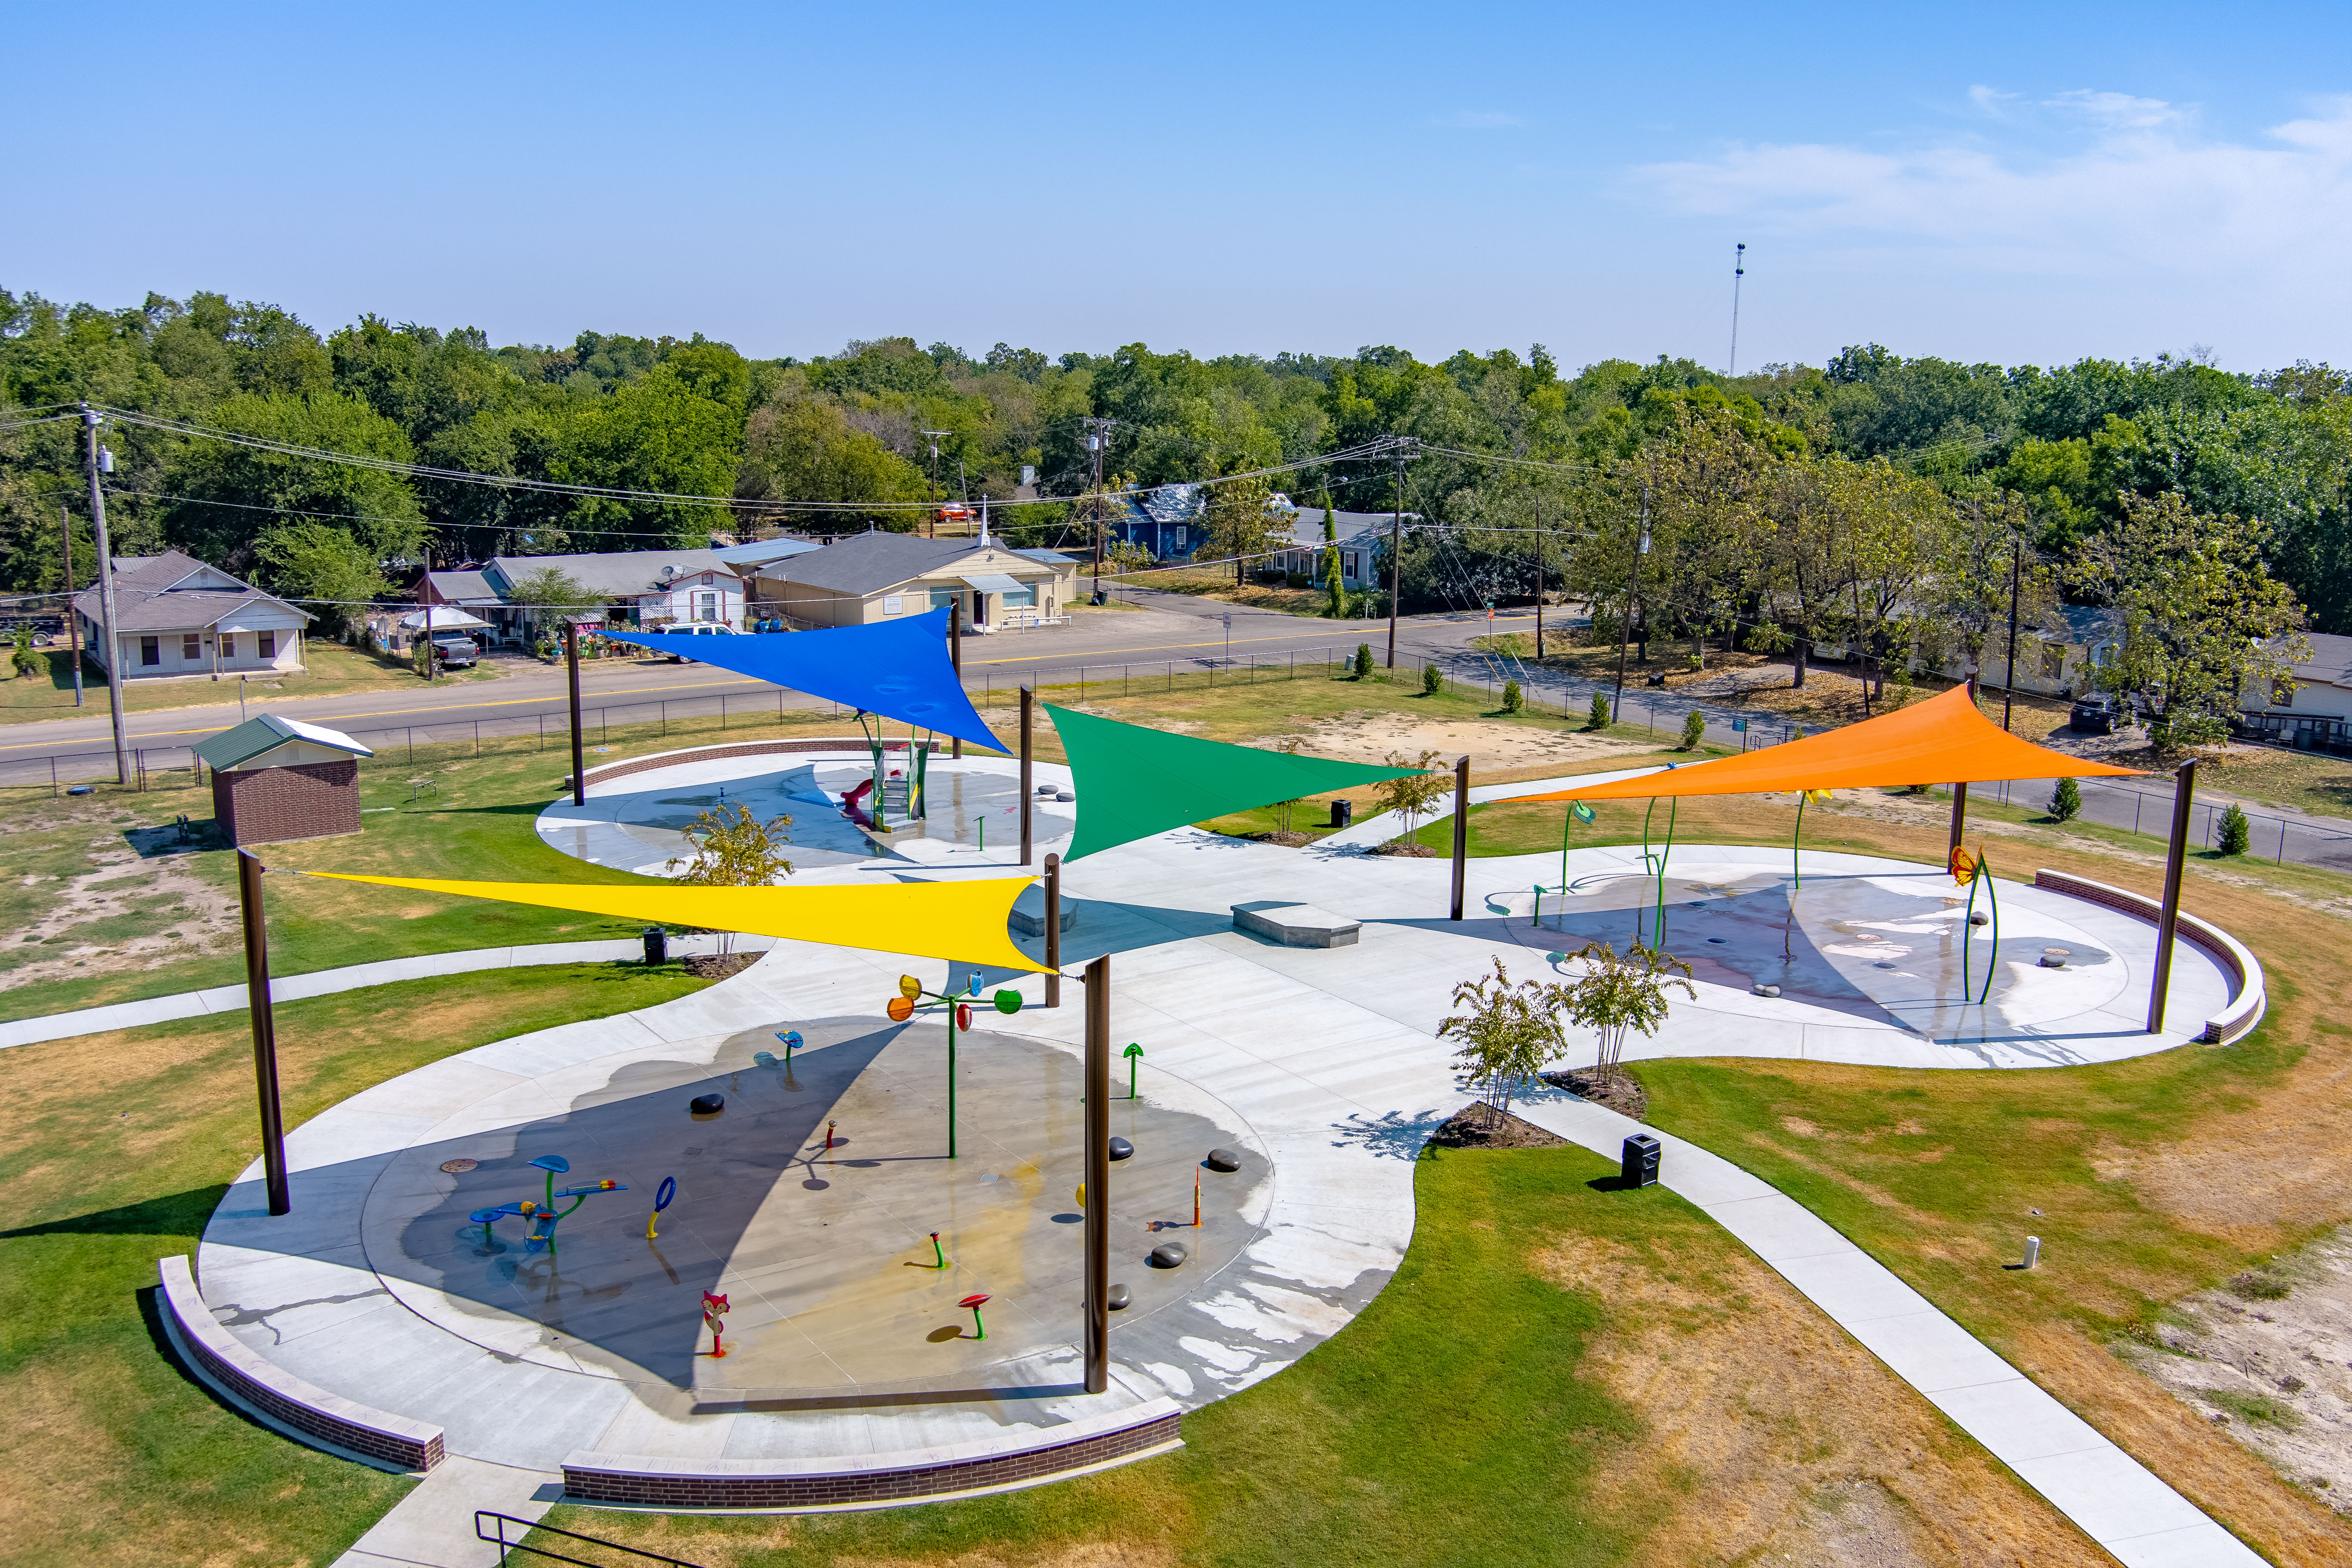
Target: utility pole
x=1739, y=270
x=1098, y=444
x=1625, y=620
x=932, y=532
x=571, y=673
x=73, y=627
x=955, y=653
x=2008, y=685
x=1396, y=541
x=424, y=587
x=96, y=460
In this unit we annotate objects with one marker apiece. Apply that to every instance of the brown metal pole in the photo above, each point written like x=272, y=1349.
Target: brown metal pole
x=2009, y=681
x=265, y=1032
x=1396, y=554
x=1098, y=1169
x=2184, y=787
x=1461, y=830
x=1028, y=788
x=955, y=657
x=571, y=667
x=1054, y=930
x=1959, y=817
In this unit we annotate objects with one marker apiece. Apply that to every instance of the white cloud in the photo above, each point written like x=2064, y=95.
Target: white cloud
x=2119, y=110
x=1477, y=120
x=1992, y=100
x=2140, y=189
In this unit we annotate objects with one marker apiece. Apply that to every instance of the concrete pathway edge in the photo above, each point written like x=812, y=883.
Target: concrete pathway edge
x=355, y=977
x=2135, y=1517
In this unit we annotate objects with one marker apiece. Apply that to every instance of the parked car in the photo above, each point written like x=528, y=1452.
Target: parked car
x=455, y=650
x=699, y=629
x=2095, y=715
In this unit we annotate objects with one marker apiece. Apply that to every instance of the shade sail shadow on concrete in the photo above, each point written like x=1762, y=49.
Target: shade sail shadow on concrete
x=603, y=1291
x=837, y=1296
x=1894, y=951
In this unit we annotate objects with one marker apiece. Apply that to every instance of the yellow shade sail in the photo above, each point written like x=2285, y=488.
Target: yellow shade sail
x=959, y=921
x=1941, y=740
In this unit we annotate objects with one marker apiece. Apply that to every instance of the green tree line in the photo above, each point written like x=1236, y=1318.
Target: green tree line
x=2060, y=455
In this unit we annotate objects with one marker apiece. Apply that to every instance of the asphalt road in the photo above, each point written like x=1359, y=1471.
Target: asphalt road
x=1169, y=631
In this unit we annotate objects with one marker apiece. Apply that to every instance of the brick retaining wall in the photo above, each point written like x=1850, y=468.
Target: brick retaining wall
x=2246, y=1008
x=633, y=1481
x=283, y=1397
x=713, y=754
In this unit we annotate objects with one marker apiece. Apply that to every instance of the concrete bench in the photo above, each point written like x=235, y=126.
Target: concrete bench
x=1296, y=925
x=1029, y=912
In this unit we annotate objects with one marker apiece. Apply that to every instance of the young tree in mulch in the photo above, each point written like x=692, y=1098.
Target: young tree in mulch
x=1507, y=1034
x=1363, y=661
x=1694, y=728
x=1599, y=717
x=732, y=848
x=1513, y=697
x=1413, y=794
x=1617, y=994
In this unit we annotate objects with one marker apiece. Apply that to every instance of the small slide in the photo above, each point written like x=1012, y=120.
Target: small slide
x=849, y=804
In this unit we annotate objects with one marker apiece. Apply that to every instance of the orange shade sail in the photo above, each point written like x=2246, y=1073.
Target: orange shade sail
x=1941, y=740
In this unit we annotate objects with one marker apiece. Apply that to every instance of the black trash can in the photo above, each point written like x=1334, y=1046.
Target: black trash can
x=656, y=945
x=1343, y=811
x=1641, y=1168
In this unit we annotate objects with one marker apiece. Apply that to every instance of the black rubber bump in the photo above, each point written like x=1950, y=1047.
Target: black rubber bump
x=1120, y=1148
x=706, y=1104
x=1170, y=1255
x=1222, y=1160
x=1118, y=1299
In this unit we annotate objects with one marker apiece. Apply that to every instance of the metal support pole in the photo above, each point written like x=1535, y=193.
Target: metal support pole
x=1098, y=1169
x=572, y=669
x=265, y=1033
x=106, y=620
x=1396, y=554
x=1461, y=830
x=955, y=657
x=1054, y=930
x=1028, y=786
x=2184, y=789
x=1960, y=818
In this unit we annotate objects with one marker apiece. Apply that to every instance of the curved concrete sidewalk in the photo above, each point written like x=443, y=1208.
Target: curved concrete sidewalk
x=353, y=977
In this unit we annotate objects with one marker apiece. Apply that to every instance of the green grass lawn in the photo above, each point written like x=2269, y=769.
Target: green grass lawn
x=331, y=670
x=1473, y=1414
x=115, y=1153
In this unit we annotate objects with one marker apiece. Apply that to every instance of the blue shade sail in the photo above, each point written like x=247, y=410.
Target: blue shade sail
x=898, y=669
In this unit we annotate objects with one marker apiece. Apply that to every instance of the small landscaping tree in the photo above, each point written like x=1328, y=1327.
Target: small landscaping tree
x=1507, y=1035
x=2065, y=801
x=1411, y=795
x=732, y=848
x=2236, y=831
x=1513, y=697
x=1599, y=717
x=1432, y=680
x=1619, y=993
x=22, y=655
x=1335, y=587
x=1694, y=728
x=1363, y=661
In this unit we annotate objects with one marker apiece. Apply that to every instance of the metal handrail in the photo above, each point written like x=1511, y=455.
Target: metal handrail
x=504, y=1545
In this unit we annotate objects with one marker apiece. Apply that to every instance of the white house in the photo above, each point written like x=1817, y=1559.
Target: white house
x=2317, y=711
x=1362, y=534
x=644, y=588
x=177, y=617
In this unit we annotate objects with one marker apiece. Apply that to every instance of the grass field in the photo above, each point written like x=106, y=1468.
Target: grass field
x=332, y=669
x=115, y=1153
x=1561, y=1373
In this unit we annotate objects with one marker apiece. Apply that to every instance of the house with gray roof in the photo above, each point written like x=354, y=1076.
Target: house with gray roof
x=177, y=618
x=643, y=588
x=1362, y=536
x=877, y=576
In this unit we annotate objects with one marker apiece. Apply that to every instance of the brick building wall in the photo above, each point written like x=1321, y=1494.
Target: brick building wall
x=271, y=805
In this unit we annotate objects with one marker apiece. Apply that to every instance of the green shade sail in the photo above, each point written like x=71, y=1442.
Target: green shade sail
x=1133, y=782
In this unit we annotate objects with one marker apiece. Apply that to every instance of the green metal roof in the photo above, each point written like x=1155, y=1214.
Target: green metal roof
x=234, y=747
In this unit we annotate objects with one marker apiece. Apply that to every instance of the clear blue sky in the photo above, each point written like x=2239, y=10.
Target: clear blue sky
x=1998, y=183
